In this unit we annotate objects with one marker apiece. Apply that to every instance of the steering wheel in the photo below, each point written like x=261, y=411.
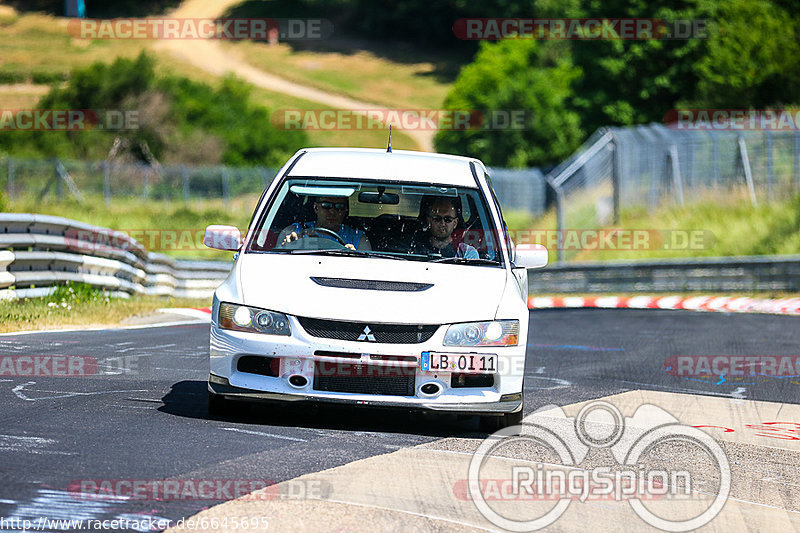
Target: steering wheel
x=307, y=231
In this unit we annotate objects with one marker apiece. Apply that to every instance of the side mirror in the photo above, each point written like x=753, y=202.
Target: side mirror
x=223, y=238
x=531, y=256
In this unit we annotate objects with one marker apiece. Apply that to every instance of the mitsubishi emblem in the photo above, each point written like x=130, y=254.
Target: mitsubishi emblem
x=367, y=335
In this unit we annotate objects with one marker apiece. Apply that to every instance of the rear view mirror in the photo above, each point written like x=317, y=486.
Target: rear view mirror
x=531, y=256
x=378, y=198
x=223, y=238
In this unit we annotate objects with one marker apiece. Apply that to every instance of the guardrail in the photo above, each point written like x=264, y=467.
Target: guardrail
x=718, y=274
x=38, y=252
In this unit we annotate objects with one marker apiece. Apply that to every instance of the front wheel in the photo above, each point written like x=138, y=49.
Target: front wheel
x=218, y=405
x=492, y=423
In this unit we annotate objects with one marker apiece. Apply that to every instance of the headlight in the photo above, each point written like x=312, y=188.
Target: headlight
x=253, y=320
x=495, y=333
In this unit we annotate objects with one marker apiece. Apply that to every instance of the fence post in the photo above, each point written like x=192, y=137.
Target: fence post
x=11, y=177
x=59, y=181
x=559, y=219
x=715, y=140
x=226, y=192
x=770, y=173
x=185, y=180
x=675, y=171
x=615, y=178
x=145, y=182
x=797, y=159
x=264, y=177
x=748, y=173
x=106, y=183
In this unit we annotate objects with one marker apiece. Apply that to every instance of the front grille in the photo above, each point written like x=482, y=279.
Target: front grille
x=372, y=284
x=342, y=355
x=351, y=331
x=364, y=379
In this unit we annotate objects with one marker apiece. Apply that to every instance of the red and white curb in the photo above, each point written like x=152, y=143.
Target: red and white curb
x=200, y=313
x=725, y=304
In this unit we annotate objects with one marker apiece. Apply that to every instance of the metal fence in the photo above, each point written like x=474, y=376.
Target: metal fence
x=62, y=178
x=517, y=189
x=616, y=169
x=651, y=166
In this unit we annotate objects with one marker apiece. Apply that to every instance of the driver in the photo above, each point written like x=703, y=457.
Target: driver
x=331, y=212
x=441, y=218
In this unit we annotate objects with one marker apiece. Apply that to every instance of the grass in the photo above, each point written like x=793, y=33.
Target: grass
x=714, y=224
x=19, y=98
x=359, y=74
x=321, y=138
x=174, y=229
x=81, y=305
x=36, y=48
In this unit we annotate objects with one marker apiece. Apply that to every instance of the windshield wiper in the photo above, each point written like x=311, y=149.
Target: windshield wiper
x=348, y=251
x=465, y=261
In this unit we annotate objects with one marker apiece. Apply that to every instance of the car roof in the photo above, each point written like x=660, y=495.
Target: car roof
x=398, y=165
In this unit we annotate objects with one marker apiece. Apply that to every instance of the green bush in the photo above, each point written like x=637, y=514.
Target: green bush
x=179, y=121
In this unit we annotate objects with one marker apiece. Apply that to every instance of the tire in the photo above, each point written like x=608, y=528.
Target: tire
x=492, y=423
x=218, y=405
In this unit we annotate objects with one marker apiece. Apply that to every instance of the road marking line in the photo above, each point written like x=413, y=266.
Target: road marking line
x=106, y=328
x=261, y=433
x=62, y=394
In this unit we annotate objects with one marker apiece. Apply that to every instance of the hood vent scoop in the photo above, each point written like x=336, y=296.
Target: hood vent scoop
x=372, y=285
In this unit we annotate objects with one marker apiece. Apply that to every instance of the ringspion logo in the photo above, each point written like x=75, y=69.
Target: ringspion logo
x=640, y=475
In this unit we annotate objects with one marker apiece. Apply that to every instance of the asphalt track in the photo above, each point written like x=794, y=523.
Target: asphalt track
x=142, y=415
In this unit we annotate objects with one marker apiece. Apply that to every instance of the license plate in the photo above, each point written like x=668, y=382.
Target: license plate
x=472, y=363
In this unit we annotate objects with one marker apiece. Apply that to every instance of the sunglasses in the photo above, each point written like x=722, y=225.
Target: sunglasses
x=447, y=220
x=340, y=206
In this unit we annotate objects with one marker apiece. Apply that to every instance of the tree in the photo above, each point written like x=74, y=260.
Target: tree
x=752, y=58
x=514, y=75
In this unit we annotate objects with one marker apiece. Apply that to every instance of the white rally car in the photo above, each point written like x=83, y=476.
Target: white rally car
x=378, y=278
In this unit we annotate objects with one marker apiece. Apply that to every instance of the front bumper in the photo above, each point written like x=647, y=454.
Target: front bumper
x=510, y=403
x=299, y=353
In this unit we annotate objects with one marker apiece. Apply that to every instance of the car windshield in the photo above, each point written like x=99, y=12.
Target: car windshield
x=417, y=222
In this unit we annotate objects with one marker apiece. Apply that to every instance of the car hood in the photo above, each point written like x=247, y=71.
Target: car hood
x=458, y=293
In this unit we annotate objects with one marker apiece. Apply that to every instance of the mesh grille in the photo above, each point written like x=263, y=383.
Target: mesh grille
x=374, y=285
x=364, y=379
x=383, y=333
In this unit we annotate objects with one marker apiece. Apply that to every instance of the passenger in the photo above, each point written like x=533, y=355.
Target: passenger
x=331, y=212
x=441, y=216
